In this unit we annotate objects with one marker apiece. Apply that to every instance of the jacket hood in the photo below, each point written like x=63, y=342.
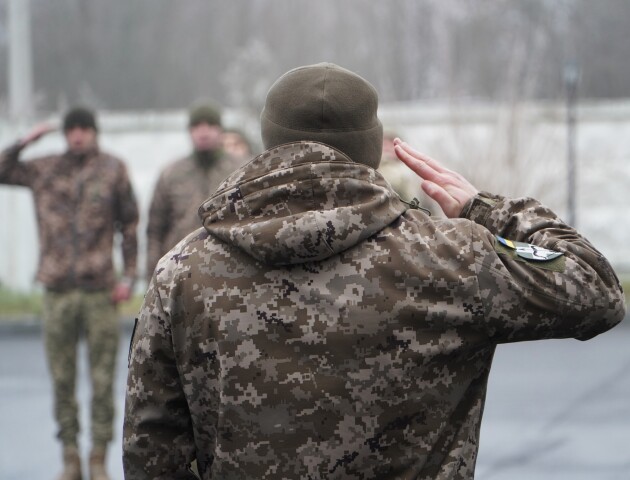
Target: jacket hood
x=300, y=202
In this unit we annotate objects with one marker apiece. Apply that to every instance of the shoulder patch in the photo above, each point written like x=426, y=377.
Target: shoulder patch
x=543, y=257
x=529, y=251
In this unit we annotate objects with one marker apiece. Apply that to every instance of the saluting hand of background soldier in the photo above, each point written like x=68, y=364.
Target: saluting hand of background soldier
x=448, y=188
x=37, y=132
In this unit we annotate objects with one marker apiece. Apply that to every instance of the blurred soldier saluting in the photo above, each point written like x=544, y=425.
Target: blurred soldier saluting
x=82, y=198
x=316, y=327
x=186, y=183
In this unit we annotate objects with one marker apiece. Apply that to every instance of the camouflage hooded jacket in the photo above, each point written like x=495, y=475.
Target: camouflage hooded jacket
x=316, y=328
x=80, y=203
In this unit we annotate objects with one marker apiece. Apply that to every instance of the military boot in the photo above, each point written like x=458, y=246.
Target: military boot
x=97, y=464
x=71, y=464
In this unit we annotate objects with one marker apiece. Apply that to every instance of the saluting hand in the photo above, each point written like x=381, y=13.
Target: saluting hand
x=448, y=188
x=36, y=133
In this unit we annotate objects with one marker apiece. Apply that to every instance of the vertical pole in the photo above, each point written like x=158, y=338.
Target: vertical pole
x=571, y=81
x=20, y=67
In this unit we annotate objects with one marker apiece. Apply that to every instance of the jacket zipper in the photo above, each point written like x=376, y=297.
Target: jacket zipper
x=75, y=230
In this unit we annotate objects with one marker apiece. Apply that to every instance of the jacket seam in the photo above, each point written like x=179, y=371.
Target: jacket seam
x=478, y=293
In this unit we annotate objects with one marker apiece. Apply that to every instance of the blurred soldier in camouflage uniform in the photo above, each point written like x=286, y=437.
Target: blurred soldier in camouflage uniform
x=82, y=197
x=185, y=184
x=316, y=327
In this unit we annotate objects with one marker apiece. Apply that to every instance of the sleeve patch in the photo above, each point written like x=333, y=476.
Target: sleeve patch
x=534, y=254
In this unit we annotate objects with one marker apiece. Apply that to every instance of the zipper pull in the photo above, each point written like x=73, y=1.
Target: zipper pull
x=415, y=205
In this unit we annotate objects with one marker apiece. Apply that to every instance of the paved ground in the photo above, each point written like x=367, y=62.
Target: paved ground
x=555, y=410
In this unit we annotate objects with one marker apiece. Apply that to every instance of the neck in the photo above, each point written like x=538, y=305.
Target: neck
x=82, y=154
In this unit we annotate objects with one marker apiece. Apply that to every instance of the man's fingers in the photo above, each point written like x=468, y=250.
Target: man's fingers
x=415, y=154
x=449, y=205
x=418, y=166
x=431, y=169
x=406, y=158
x=437, y=193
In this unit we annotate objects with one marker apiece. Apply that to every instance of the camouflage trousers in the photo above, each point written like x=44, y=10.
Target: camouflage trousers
x=69, y=316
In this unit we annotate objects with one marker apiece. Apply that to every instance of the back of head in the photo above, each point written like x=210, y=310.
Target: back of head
x=79, y=117
x=328, y=104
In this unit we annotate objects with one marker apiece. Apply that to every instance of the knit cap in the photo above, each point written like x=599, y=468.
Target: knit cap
x=206, y=113
x=328, y=104
x=79, y=117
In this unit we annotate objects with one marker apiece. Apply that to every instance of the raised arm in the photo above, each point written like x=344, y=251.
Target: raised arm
x=36, y=133
x=12, y=172
x=538, y=277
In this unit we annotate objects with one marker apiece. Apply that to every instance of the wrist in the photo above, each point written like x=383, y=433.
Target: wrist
x=479, y=207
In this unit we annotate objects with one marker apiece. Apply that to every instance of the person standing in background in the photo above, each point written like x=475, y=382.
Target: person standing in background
x=235, y=143
x=184, y=184
x=83, y=197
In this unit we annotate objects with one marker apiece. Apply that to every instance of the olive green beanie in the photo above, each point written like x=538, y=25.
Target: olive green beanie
x=328, y=104
x=206, y=113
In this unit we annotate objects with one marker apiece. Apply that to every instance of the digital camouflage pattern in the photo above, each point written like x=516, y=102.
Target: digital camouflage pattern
x=80, y=203
x=181, y=188
x=315, y=328
x=68, y=316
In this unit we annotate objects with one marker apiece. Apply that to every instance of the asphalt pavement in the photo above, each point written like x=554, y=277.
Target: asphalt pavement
x=557, y=409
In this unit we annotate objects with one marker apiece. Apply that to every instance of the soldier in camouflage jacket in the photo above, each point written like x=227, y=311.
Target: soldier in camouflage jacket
x=183, y=185
x=83, y=197
x=316, y=327
x=81, y=201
